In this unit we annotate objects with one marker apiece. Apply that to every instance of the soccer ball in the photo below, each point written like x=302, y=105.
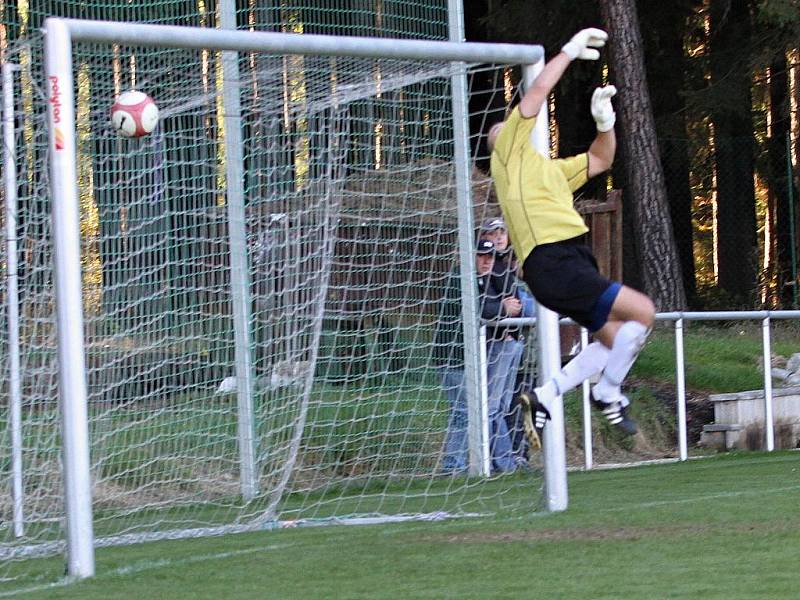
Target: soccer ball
x=134, y=114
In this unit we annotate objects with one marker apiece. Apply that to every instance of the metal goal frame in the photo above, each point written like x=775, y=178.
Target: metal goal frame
x=59, y=36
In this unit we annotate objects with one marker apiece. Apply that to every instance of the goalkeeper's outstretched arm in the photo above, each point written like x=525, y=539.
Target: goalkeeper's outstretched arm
x=604, y=146
x=583, y=45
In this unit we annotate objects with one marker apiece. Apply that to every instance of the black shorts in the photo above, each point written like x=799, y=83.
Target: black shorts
x=563, y=276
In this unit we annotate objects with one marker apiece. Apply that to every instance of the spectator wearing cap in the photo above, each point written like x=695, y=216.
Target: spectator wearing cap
x=506, y=345
x=494, y=229
x=504, y=271
x=449, y=356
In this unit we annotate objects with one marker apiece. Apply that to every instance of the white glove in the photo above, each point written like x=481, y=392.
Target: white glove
x=602, y=110
x=583, y=43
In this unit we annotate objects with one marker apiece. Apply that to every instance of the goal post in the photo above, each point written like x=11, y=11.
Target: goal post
x=308, y=448
x=549, y=346
x=240, y=273
x=12, y=298
x=69, y=301
x=173, y=36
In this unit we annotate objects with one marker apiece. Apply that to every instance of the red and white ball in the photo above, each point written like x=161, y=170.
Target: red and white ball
x=134, y=114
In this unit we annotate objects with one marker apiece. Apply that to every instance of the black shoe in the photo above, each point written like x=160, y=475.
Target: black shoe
x=534, y=416
x=617, y=415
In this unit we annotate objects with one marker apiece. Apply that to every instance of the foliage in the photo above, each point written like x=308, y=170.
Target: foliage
x=774, y=28
x=779, y=22
x=552, y=26
x=718, y=358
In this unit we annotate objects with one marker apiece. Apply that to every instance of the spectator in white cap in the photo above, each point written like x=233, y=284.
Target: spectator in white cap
x=506, y=345
x=494, y=229
x=449, y=356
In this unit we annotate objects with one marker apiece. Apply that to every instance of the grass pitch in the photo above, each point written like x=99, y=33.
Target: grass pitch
x=722, y=527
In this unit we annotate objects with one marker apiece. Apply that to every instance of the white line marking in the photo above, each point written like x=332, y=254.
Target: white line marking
x=147, y=565
x=761, y=492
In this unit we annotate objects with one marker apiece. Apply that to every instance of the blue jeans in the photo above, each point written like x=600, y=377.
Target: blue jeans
x=502, y=363
x=455, y=444
x=503, y=358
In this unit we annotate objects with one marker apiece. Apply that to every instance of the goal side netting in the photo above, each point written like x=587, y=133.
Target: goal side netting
x=262, y=365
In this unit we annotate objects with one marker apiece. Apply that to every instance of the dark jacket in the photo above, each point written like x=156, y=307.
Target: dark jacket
x=449, y=335
x=506, y=282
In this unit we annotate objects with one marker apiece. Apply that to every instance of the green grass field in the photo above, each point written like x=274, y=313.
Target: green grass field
x=719, y=357
x=721, y=527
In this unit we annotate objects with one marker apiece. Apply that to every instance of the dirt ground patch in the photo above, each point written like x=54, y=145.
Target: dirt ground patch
x=699, y=410
x=601, y=534
x=657, y=438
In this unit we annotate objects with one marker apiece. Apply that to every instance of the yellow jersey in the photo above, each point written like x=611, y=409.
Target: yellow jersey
x=535, y=193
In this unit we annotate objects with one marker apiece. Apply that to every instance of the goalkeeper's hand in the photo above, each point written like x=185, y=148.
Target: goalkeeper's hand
x=583, y=44
x=602, y=110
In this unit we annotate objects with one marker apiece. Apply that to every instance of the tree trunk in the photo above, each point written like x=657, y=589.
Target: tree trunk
x=9, y=25
x=737, y=245
x=778, y=178
x=795, y=161
x=631, y=267
x=646, y=190
x=666, y=68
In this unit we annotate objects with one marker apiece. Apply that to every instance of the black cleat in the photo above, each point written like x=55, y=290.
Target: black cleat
x=617, y=415
x=534, y=416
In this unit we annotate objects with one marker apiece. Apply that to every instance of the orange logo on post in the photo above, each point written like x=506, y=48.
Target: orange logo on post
x=59, y=139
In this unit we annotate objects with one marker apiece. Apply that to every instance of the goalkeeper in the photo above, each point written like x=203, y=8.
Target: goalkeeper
x=535, y=195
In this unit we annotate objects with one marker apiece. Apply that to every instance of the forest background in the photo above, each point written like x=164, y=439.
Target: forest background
x=708, y=117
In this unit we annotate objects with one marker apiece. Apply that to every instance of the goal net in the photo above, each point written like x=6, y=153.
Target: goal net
x=349, y=234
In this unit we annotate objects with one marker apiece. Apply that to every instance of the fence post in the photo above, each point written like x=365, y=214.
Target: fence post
x=790, y=194
x=768, y=426
x=680, y=377
x=12, y=297
x=588, y=458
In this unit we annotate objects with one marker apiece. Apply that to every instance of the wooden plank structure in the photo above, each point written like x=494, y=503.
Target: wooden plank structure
x=396, y=244
x=604, y=219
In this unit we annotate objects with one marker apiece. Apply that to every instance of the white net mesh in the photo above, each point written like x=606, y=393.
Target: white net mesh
x=351, y=233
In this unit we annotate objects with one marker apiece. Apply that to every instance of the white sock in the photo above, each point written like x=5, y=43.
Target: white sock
x=546, y=393
x=589, y=361
x=586, y=363
x=627, y=344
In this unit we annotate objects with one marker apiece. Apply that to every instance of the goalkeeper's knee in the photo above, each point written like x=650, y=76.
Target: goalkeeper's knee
x=628, y=342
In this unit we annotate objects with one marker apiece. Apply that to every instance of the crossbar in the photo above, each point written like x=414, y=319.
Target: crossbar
x=60, y=35
x=171, y=36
